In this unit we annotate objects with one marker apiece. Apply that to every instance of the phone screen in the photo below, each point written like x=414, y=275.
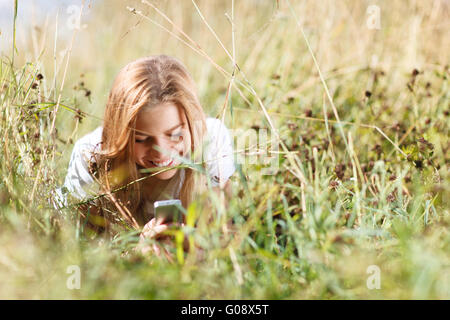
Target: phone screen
x=170, y=210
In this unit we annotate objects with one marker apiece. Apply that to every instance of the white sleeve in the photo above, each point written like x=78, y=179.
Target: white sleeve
x=219, y=152
x=78, y=178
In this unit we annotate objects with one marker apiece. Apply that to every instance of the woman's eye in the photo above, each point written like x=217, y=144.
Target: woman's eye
x=176, y=136
x=139, y=140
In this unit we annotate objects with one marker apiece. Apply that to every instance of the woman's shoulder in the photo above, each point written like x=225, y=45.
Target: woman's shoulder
x=219, y=151
x=78, y=173
x=90, y=141
x=84, y=153
x=216, y=130
x=212, y=122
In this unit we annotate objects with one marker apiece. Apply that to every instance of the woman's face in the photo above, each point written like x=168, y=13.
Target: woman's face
x=165, y=126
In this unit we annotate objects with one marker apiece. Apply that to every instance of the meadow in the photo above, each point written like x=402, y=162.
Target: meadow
x=354, y=95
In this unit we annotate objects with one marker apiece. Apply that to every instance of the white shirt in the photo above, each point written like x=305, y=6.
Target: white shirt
x=218, y=154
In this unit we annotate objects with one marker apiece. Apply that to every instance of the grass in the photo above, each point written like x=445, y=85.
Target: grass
x=362, y=173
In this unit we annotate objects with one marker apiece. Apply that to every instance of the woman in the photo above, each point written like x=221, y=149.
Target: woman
x=153, y=120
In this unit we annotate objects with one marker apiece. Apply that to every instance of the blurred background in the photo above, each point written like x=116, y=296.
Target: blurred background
x=375, y=195
x=346, y=37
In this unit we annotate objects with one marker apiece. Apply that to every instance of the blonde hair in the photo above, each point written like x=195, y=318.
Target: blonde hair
x=145, y=83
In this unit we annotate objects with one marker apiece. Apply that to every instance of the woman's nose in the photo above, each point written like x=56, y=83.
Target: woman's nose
x=158, y=148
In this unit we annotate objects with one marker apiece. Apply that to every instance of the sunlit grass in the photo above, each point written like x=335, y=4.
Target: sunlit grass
x=375, y=181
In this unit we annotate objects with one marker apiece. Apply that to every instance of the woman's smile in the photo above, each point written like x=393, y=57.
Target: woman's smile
x=166, y=163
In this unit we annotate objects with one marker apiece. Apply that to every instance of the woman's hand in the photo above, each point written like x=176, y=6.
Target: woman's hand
x=153, y=230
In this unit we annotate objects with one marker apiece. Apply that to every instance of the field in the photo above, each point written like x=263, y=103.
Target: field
x=354, y=94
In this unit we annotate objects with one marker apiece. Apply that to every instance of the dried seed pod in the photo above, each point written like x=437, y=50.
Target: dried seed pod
x=292, y=126
x=333, y=184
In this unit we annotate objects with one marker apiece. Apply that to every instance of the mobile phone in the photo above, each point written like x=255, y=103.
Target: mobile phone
x=170, y=210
